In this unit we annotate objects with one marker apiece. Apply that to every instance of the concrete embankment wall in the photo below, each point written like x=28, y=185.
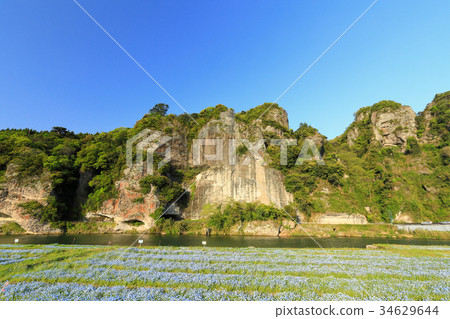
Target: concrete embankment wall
x=339, y=218
x=433, y=227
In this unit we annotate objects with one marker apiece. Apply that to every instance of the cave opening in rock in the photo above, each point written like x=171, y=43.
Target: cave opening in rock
x=134, y=222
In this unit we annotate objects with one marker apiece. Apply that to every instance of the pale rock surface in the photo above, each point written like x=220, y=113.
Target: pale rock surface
x=390, y=128
x=264, y=228
x=13, y=194
x=124, y=208
x=247, y=180
x=393, y=128
x=403, y=218
x=340, y=218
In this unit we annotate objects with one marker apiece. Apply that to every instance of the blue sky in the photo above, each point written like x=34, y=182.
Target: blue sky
x=58, y=68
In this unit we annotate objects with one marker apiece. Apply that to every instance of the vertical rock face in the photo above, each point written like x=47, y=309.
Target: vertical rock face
x=179, y=154
x=13, y=194
x=244, y=183
x=82, y=191
x=233, y=177
x=389, y=127
x=393, y=128
x=275, y=115
x=130, y=204
x=224, y=178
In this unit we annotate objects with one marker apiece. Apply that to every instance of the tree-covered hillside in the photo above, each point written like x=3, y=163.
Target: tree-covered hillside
x=364, y=172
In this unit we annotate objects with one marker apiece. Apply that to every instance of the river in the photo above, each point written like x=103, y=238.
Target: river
x=213, y=241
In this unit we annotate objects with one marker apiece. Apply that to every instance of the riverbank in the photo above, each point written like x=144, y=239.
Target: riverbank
x=389, y=272
x=256, y=228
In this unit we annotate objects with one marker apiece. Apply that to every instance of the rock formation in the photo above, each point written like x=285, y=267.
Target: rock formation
x=231, y=156
x=245, y=178
x=130, y=205
x=227, y=177
x=389, y=127
x=14, y=193
x=394, y=128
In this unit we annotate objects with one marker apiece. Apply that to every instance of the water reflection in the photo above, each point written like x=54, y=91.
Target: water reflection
x=212, y=241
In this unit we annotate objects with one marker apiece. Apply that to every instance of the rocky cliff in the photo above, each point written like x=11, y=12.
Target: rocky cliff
x=234, y=177
x=14, y=193
x=389, y=123
x=130, y=208
x=225, y=175
x=388, y=161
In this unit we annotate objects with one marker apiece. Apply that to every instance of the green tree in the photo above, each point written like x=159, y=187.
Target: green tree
x=61, y=131
x=160, y=109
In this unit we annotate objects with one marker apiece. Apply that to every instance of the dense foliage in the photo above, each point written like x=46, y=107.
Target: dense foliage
x=29, y=156
x=167, y=190
x=260, y=112
x=367, y=179
x=236, y=212
x=440, y=122
x=103, y=155
x=160, y=109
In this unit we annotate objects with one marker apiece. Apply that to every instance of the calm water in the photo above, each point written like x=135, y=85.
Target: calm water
x=212, y=241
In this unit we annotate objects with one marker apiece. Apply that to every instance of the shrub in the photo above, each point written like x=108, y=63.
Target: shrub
x=261, y=111
x=243, y=212
x=385, y=105
x=412, y=147
x=45, y=213
x=148, y=181
x=420, y=122
x=139, y=200
x=241, y=150
x=11, y=228
x=170, y=226
x=445, y=154
x=297, y=181
x=304, y=130
x=274, y=124
x=158, y=213
x=167, y=190
x=440, y=123
x=29, y=162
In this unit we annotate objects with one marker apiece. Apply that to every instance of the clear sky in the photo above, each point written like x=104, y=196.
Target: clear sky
x=57, y=68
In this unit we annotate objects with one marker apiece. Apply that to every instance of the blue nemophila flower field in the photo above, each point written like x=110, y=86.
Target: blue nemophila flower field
x=166, y=273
